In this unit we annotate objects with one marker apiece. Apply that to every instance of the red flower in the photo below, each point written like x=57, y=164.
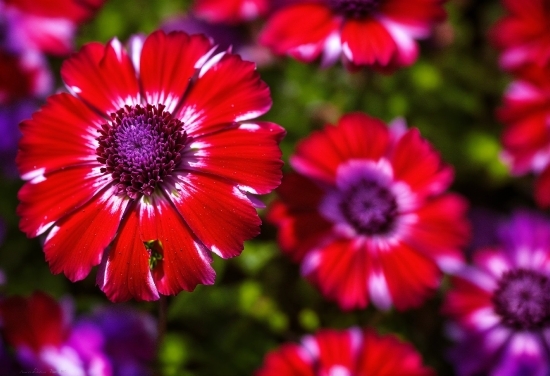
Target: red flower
x=526, y=139
x=523, y=35
x=230, y=11
x=367, y=217
x=377, y=33
x=46, y=25
x=150, y=159
x=347, y=352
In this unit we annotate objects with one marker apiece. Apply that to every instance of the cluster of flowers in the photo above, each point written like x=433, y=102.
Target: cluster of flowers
x=162, y=157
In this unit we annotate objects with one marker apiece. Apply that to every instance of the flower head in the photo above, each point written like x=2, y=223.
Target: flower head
x=230, y=11
x=523, y=34
x=367, y=216
x=45, y=25
x=378, y=33
x=46, y=338
x=500, y=306
x=526, y=139
x=346, y=352
x=157, y=164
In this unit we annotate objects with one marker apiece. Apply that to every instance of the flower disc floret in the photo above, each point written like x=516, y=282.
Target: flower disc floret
x=140, y=148
x=523, y=299
x=354, y=8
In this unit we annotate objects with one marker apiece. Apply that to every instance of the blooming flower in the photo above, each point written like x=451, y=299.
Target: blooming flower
x=500, y=306
x=522, y=35
x=47, y=340
x=346, y=352
x=24, y=79
x=157, y=164
x=230, y=11
x=526, y=139
x=367, y=216
x=45, y=25
x=377, y=33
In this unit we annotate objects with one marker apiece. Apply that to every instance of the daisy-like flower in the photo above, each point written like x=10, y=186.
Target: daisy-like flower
x=149, y=165
x=45, y=25
x=522, y=35
x=378, y=33
x=230, y=11
x=346, y=352
x=367, y=216
x=46, y=339
x=526, y=139
x=500, y=306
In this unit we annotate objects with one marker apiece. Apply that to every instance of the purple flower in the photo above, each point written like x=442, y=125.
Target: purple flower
x=500, y=305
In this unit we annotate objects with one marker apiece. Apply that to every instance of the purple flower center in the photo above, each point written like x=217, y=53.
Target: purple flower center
x=369, y=207
x=140, y=147
x=522, y=299
x=354, y=8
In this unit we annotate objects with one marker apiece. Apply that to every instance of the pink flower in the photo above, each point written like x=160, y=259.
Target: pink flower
x=230, y=11
x=377, y=33
x=526, y=139
x=367, y=216
x=523, y=35
x=149, y=165
x=500, y=305
x=45, y=25
x=346, y=352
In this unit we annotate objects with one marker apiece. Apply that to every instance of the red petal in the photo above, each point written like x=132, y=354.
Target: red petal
x=417, y=163
x=217, y=212
x=125, y=273
x=230, y=11
x=300, y=30
x=441, y=230
x=167, y=65
x=417, y=13
x=35, y=322
x=336, y=348
x=226, y=91
x=76, y=243
x=341, y=270
x=542, y=188
x=247, y=155
x=102, y=76
x=288, y=360
x=76, y=10
x=185, y=262
x=367, y=42
x=40, y=199
x=301, y=227
x=411, y=277
x=357, y=136
x=42, y=149
x=464, y=298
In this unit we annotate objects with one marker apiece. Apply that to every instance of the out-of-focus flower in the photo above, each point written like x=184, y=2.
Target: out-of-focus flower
x=522, y=35
x=24, y=79
x=112, y=341
x=500, y=305
x=367, y=216
x=346, y=352
x=526, y=139
x=230, y=11
x=378, y=33
x=45, y=25
x=157, y=168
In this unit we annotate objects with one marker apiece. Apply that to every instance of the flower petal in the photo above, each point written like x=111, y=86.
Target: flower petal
x=42, y=150
x=76, y=242
x=217, y=212
x=367, y=42
x=247, y=154
x=168, y=63
x=125, y=273
x=226, y=91
x=357, y=136
x=185, y=261
x=102, y=76
x=40, y=205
